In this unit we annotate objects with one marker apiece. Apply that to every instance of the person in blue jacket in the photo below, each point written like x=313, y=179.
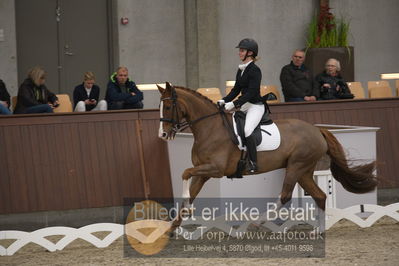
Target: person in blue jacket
x=122, y=93
x=4, y=99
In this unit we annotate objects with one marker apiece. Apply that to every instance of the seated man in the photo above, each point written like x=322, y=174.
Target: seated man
x=122, y=93
x=4, y=99
x=297, y=81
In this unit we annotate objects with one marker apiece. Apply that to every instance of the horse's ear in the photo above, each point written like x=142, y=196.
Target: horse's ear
x=169, y=86
x=161, y=90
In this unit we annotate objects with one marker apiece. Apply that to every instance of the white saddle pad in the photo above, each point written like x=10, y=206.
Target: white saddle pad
x=269, y=142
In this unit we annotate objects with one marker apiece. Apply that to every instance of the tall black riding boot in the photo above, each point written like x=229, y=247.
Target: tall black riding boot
x=251, y=149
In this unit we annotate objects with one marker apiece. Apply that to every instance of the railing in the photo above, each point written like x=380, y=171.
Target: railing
x=115, y=231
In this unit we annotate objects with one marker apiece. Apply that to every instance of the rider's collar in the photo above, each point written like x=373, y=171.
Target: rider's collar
x=243, y=66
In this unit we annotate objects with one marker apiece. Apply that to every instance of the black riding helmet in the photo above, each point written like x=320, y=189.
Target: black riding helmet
x=249, y=44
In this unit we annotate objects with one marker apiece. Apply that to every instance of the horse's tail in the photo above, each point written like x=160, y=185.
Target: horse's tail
x=356, y=179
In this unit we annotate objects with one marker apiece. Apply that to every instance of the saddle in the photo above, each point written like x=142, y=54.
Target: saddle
x=269, y=141
x=266, y=126
x=239, y=118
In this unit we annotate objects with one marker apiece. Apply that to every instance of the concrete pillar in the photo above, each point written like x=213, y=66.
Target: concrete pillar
x=208, y=43
x=191, y=33
x=8, y=46
x=202, y=43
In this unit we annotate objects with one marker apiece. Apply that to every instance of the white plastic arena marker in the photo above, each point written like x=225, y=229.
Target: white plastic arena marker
x=160, y=133
x=186, y=189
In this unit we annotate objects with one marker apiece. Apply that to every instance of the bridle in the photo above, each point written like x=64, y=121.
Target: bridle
x=178, y=126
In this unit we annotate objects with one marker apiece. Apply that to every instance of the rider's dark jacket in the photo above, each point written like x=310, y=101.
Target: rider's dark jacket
x=248, y=84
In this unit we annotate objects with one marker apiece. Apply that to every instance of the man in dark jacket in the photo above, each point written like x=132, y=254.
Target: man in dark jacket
x=122, y=93
x=4, y=99
x=296, y=80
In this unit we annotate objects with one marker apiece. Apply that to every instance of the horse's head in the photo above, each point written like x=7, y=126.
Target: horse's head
x=171, y=113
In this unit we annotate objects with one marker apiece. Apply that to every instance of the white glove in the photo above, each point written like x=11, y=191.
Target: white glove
x=220, y=102
x=229, y=106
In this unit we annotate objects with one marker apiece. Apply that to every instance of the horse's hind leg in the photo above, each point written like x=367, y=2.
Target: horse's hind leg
x=294, y=173
x=309, y=185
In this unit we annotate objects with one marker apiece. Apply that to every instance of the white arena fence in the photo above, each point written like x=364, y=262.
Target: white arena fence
x=117, y=230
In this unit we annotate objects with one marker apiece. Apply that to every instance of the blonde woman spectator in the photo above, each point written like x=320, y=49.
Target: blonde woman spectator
x=85, y=95
x=33, y=95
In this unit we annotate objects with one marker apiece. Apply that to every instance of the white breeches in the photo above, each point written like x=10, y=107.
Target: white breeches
x=101, y=106
x=254, y=115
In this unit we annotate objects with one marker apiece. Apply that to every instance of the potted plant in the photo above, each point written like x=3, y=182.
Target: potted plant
x=328, y=38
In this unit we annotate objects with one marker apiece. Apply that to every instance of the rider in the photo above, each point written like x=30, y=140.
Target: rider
x=248, y=79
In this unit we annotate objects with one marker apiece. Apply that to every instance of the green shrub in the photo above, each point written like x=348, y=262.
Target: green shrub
x=326, y=31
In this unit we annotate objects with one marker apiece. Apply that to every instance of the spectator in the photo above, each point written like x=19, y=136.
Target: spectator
x=296, y=80
x=33, y=95
x=85, y=95
x=122, y=93
x=331, y=84
x=4, y=99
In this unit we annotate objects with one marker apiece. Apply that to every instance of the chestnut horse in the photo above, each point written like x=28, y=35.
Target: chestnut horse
x=215, y=155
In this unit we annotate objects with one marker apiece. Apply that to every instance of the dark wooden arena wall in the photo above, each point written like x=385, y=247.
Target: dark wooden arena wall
x=95, y=159
x=71, y=161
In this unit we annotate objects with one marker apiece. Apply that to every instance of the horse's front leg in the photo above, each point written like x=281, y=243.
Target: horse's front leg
x=203, y=170
x=197, y=182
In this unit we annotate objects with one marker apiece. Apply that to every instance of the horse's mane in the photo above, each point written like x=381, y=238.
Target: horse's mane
x=196, y=94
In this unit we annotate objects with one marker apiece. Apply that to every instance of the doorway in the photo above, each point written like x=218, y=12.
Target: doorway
x=65, y=37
